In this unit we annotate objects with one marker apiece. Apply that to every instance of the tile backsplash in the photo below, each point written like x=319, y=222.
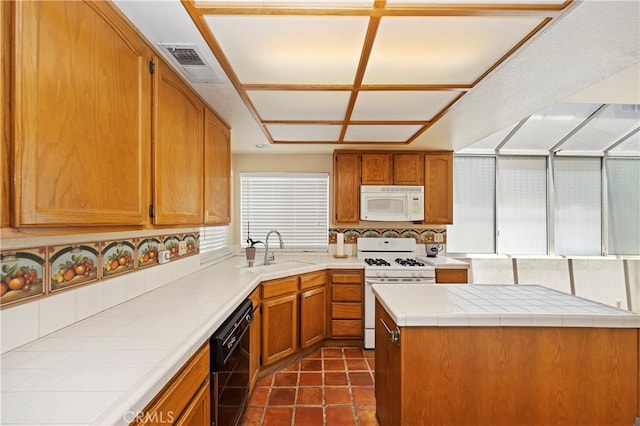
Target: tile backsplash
x=351, y=235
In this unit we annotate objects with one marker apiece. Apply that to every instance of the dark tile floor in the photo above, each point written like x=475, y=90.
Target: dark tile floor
x=332, y=387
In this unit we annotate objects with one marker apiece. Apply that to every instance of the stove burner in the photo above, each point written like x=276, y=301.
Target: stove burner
x=377, y=262
x=409, y=262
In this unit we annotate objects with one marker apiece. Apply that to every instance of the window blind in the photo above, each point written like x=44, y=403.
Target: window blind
x=214, y=243
x=295, y=204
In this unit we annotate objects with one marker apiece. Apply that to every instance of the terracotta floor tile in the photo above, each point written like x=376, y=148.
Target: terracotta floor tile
x=366, y=415
x=294, y=366
x=369, y=353
x=253, y=416
x=282, y=396
x=337, y=395
x=287, y=379
x=334, y=364
x=265, y=381
x=259, y=397
x=335, y=378
x=340, y=416
x=315, y=355
x=372, y=363
x=353, y=353
x=311, y=365
x=309, y=416
x=357, y=364
x=309, y=396
x=310, y=379
x=360, y=379
x=279, y=416
x=331, y=353
x=364, y=395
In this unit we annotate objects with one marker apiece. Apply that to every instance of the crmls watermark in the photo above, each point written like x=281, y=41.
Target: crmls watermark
x=157, y=417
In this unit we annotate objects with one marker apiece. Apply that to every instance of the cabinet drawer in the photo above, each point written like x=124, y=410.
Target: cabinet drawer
x=451, y=275
x=344, y=277
x=346, y=310
x=313, y=279
x=280, y=286
x=346, y=328
x=346, y=293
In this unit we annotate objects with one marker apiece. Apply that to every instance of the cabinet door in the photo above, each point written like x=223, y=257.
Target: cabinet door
x=5, y=102
x=198, y=412
x=377, y=169
x=438, y=191
x=408, y=169
x=313, y=316
x=82, y=115
x=217, y=170
x=279, y=328
x=388, y=373
x=177, y=150
x=255, y=338
x=346, y=187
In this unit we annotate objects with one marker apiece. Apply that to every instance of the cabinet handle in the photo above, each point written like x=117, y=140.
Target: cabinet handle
x=394, y=335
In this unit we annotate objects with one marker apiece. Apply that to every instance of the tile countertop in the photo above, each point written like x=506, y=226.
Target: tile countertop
x=496, y=305
x=104, y=369
x=443, y=262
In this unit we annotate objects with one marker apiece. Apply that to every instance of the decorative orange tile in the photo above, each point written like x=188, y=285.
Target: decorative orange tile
x=358, y=364
x=278, y=416
x=361, y=379
x=340, y=416
x=309, y=396
x=353, y=353
x=285, y=379
x=294, y=366
x=337, y=395
x=334, y=364
x=364, y=395
x=253, y=416
x=311, y=365
x=309, y=416
x=259, y=397
x=282, y=396
x=265, y=381
x=335, y=378
x=366, y=415
x=331, y=353
x=310, y=379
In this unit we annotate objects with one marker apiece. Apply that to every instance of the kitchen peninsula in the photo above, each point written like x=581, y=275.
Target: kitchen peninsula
x=503, y=355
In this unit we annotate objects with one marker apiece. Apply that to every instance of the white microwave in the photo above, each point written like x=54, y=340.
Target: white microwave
x=394, y=203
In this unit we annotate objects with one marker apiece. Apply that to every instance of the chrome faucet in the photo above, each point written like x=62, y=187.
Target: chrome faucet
x=268, y=258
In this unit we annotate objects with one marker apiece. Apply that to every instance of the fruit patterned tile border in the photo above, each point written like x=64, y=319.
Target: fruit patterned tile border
x=420, y=235
x=34, y=272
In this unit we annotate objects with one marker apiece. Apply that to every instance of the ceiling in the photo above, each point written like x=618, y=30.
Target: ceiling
x=310, y=77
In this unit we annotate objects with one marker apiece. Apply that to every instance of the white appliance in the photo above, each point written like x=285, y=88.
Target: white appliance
x=388, y=261
x=391, y=203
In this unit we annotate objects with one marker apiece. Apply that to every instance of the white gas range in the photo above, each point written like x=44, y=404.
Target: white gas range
x=388, y=261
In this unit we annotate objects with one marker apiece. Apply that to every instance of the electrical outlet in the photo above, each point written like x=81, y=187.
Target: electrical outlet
x=164, y=256
x=182, y=248
x=438, y=238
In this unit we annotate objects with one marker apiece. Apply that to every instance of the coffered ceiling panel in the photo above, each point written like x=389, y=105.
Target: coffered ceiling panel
x=379, y=133
x=401, y=105
x=300, y=105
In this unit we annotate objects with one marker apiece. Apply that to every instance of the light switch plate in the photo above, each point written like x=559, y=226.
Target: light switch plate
x=438, y=238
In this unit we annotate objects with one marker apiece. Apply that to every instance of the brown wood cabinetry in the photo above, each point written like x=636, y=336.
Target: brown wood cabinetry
x=346, y=187
x=177, y=150
x=279, y=319
x=377, y=169
x=313, y=308
x=388, y=375
x=81, y=127
x=451, y=276
x=217, y=170
x=185, y=399
x=438, y=188
x=408, y=169
x=6, y=32
x=255, y=338
x=346, y=303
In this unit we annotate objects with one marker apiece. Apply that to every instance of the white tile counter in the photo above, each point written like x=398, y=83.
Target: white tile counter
x=496, y=305
x=104, y=369
x=443, y=262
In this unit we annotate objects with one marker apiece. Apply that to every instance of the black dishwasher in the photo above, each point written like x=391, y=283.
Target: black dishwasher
x=230, y=367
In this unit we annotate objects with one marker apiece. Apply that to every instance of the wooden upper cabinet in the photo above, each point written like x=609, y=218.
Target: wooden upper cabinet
x=5, y=79
x=346, y=187
x=438, y=191
x=82, y=99
x=377, y=169
x=408, y=169
x=217, y=170
x=177, y=150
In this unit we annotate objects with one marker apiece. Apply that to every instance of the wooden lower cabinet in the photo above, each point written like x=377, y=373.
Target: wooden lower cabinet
x=346, y=304
x=313, y=316
x=279, y=319
x=255, y=338
x=451, y=276
x=388, y=374
x=185, y=399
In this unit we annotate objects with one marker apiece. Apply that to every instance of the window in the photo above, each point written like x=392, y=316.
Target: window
x=295, y=204
x=214, y=243
x=623, y=205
